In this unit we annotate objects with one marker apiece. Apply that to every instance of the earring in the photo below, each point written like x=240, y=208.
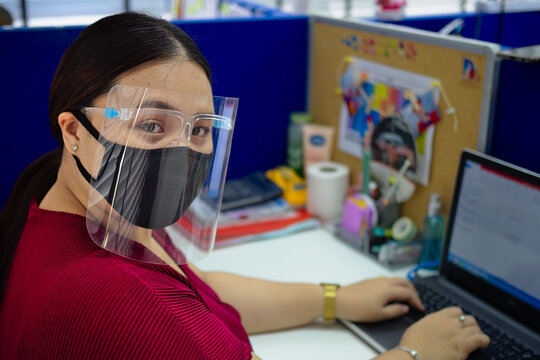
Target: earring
x=74, y=147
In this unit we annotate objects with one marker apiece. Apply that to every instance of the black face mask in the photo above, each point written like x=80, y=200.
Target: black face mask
x=149, y=188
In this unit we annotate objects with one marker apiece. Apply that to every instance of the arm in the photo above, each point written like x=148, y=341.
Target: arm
x=268, y=306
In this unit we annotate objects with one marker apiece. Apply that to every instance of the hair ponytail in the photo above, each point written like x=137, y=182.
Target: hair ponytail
x=32, y=185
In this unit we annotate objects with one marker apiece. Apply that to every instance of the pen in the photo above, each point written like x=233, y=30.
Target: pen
x=366, y=161
x=390, y=192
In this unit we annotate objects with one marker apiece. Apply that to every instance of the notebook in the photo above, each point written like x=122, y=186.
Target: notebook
x=490, y=264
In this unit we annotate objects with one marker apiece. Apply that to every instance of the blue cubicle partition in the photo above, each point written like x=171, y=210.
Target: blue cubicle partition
x=264, y=62
x=516, y=128
x=256, y=9
x=516, y=135
x=261, y=61
x=514, y=29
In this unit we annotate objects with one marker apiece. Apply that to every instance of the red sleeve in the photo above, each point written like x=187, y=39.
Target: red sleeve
x=125, y=312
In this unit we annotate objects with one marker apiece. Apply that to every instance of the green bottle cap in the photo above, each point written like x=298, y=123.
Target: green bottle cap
x=382, y=232
x=301, y=117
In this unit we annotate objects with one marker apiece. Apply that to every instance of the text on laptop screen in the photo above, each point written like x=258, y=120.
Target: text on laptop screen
x=496, y=232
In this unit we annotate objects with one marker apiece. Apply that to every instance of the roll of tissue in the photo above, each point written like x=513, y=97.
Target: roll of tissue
x=327, y=184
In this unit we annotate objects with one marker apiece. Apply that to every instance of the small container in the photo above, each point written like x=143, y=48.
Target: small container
x=395, y=253
x=317, y=143
x=295, y=153
x=432, y=231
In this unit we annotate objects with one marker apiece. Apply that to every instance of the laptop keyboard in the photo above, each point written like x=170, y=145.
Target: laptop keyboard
x=502, y=346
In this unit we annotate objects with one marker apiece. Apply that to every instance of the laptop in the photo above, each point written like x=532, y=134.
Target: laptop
x=490, y=264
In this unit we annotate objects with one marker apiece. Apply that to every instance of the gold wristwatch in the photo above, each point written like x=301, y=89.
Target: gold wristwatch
x=330, y=293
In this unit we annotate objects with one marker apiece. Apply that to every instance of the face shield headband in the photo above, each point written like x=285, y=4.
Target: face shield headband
x=158, y=174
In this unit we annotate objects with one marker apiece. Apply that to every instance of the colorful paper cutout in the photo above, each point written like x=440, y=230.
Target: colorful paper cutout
x=372, y=91
x=388, y=48
x=469, y=71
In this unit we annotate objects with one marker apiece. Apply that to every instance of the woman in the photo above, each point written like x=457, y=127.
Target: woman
x=98, y=233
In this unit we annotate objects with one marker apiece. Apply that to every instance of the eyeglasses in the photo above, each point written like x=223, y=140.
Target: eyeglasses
x=159, y=128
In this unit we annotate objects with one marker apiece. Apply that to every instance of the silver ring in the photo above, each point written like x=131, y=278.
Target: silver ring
x=462, y=319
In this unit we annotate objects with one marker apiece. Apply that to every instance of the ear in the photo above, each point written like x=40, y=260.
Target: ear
x=69, y=126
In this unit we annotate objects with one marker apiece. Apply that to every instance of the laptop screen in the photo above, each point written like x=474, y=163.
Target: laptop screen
x=496, y=231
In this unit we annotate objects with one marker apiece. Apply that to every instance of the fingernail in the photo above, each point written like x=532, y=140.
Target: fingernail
x=405, y=309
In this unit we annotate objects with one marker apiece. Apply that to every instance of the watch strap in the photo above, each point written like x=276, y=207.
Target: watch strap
x=330, y=294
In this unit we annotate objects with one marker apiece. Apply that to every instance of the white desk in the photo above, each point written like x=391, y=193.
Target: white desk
x=312, y=256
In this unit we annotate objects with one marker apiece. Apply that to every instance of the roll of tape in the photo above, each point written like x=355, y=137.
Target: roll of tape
x=327, y=184
x=403, y=229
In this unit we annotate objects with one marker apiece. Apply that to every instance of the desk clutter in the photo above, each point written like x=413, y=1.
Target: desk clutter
x=397, y=243
x=263, y=205
x=366, y=215
x=368, y=222
x=377, y=229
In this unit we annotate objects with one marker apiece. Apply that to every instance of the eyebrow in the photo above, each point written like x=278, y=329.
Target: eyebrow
x=158, y=105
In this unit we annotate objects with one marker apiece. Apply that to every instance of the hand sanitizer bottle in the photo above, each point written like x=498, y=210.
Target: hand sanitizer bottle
x=432, y=231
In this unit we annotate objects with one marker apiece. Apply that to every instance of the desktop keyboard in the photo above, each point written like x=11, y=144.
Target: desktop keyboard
x=501, y=346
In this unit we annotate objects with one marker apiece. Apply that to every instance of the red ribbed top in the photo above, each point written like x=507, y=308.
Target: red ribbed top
x=68, y=298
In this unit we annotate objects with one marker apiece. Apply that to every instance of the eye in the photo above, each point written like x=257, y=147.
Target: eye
x=200, y=131
x=151, y=127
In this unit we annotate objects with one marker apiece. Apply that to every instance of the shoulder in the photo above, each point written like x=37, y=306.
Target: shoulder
x=112, y=307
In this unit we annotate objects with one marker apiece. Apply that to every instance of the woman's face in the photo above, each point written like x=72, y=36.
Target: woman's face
x=176, y=91
x=166, y=102
x=153, y=107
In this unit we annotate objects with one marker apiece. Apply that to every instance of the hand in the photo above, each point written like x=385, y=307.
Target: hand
x=442, y=336
x=375, y=299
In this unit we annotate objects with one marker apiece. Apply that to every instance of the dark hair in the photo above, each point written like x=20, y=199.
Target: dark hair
x=5, y=16
x=88, y=69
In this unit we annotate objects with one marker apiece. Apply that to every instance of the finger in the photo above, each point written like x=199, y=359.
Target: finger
x=394, y=310
x=470, y=321
x=408, y=295
x=401, y=282
x=414, y=299
x=473, y=342
x=469, y=331
x=452, y=311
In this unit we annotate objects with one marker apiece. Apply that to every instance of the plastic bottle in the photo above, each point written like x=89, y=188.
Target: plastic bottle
x=432, y=231
x=295, y=153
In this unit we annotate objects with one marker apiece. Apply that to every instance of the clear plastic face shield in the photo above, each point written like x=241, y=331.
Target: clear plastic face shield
x=158, y=172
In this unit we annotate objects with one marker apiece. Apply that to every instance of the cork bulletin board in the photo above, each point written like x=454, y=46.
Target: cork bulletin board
x=425, y=53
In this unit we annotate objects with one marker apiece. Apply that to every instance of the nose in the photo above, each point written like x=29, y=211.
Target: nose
x=187, y=130
x=184, y=135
